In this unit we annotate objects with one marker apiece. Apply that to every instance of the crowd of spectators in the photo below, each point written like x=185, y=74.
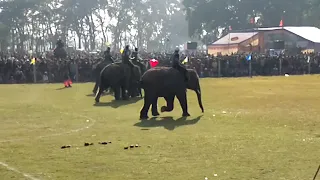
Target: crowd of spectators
x=16, y=68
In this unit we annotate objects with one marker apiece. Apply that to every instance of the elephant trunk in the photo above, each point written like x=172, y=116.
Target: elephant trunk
x=198, y=91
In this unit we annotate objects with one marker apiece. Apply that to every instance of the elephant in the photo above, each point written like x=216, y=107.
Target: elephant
x=97, y=68
x=118, y=76
x=134, y=90
x=169, y=83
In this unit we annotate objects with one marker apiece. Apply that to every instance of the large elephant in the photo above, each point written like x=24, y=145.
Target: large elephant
x=169, y=83
x=119, y=77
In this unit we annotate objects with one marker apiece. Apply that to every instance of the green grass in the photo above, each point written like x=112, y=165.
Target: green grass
x=270, y=130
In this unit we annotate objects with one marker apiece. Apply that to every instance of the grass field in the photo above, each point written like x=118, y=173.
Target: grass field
x=265, y=128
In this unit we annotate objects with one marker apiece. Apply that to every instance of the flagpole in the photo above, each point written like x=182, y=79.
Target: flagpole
x=229, y=41
x=309, y=65
x=282, y=29
x=34, y=73
x=250, y=68
x=251, y=45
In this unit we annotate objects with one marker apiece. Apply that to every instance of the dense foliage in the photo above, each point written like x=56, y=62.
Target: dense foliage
x=37, y=24
x=149, y=24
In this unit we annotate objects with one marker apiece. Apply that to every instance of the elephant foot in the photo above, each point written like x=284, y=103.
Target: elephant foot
x=163, y=108
x=144, y=117
x=185, y=114
x=155, y=114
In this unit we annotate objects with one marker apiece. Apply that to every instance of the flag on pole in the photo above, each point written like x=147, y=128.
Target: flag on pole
x=153, y=63
x=33, y=61
x=186, y=60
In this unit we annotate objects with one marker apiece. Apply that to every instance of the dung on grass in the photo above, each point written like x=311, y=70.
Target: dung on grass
x=270, y=131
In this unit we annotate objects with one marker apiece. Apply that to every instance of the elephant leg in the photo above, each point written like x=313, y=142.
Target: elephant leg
x=140, y=92
x=170, y=104
x=132, y=92
x=116, y=91
x=124, y=94
x=154, y=107
x=146, y=106
x=96, y=87
x=98, y=93
x=136, y=91
x=182, y=97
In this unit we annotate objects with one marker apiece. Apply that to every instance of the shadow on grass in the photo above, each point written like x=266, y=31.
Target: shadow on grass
x=62, y=88
x=106, y=92
x=167, y=122
x=119, y=103
x=92, y=95
x=103, y=94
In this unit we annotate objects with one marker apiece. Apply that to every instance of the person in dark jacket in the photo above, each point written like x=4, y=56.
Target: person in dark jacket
x=126, y=56
x=134, y=56
x=107, y=55
x=177, y=64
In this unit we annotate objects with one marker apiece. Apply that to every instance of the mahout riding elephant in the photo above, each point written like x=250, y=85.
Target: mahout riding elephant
x=169, y=83
x=119, y=77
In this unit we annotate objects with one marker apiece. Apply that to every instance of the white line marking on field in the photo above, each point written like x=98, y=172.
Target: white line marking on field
x=17, y=171
x=93, y=121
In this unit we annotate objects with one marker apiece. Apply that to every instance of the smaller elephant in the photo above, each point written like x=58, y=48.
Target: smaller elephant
x=169, y=83
x=97, y=68
x=119, y=77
